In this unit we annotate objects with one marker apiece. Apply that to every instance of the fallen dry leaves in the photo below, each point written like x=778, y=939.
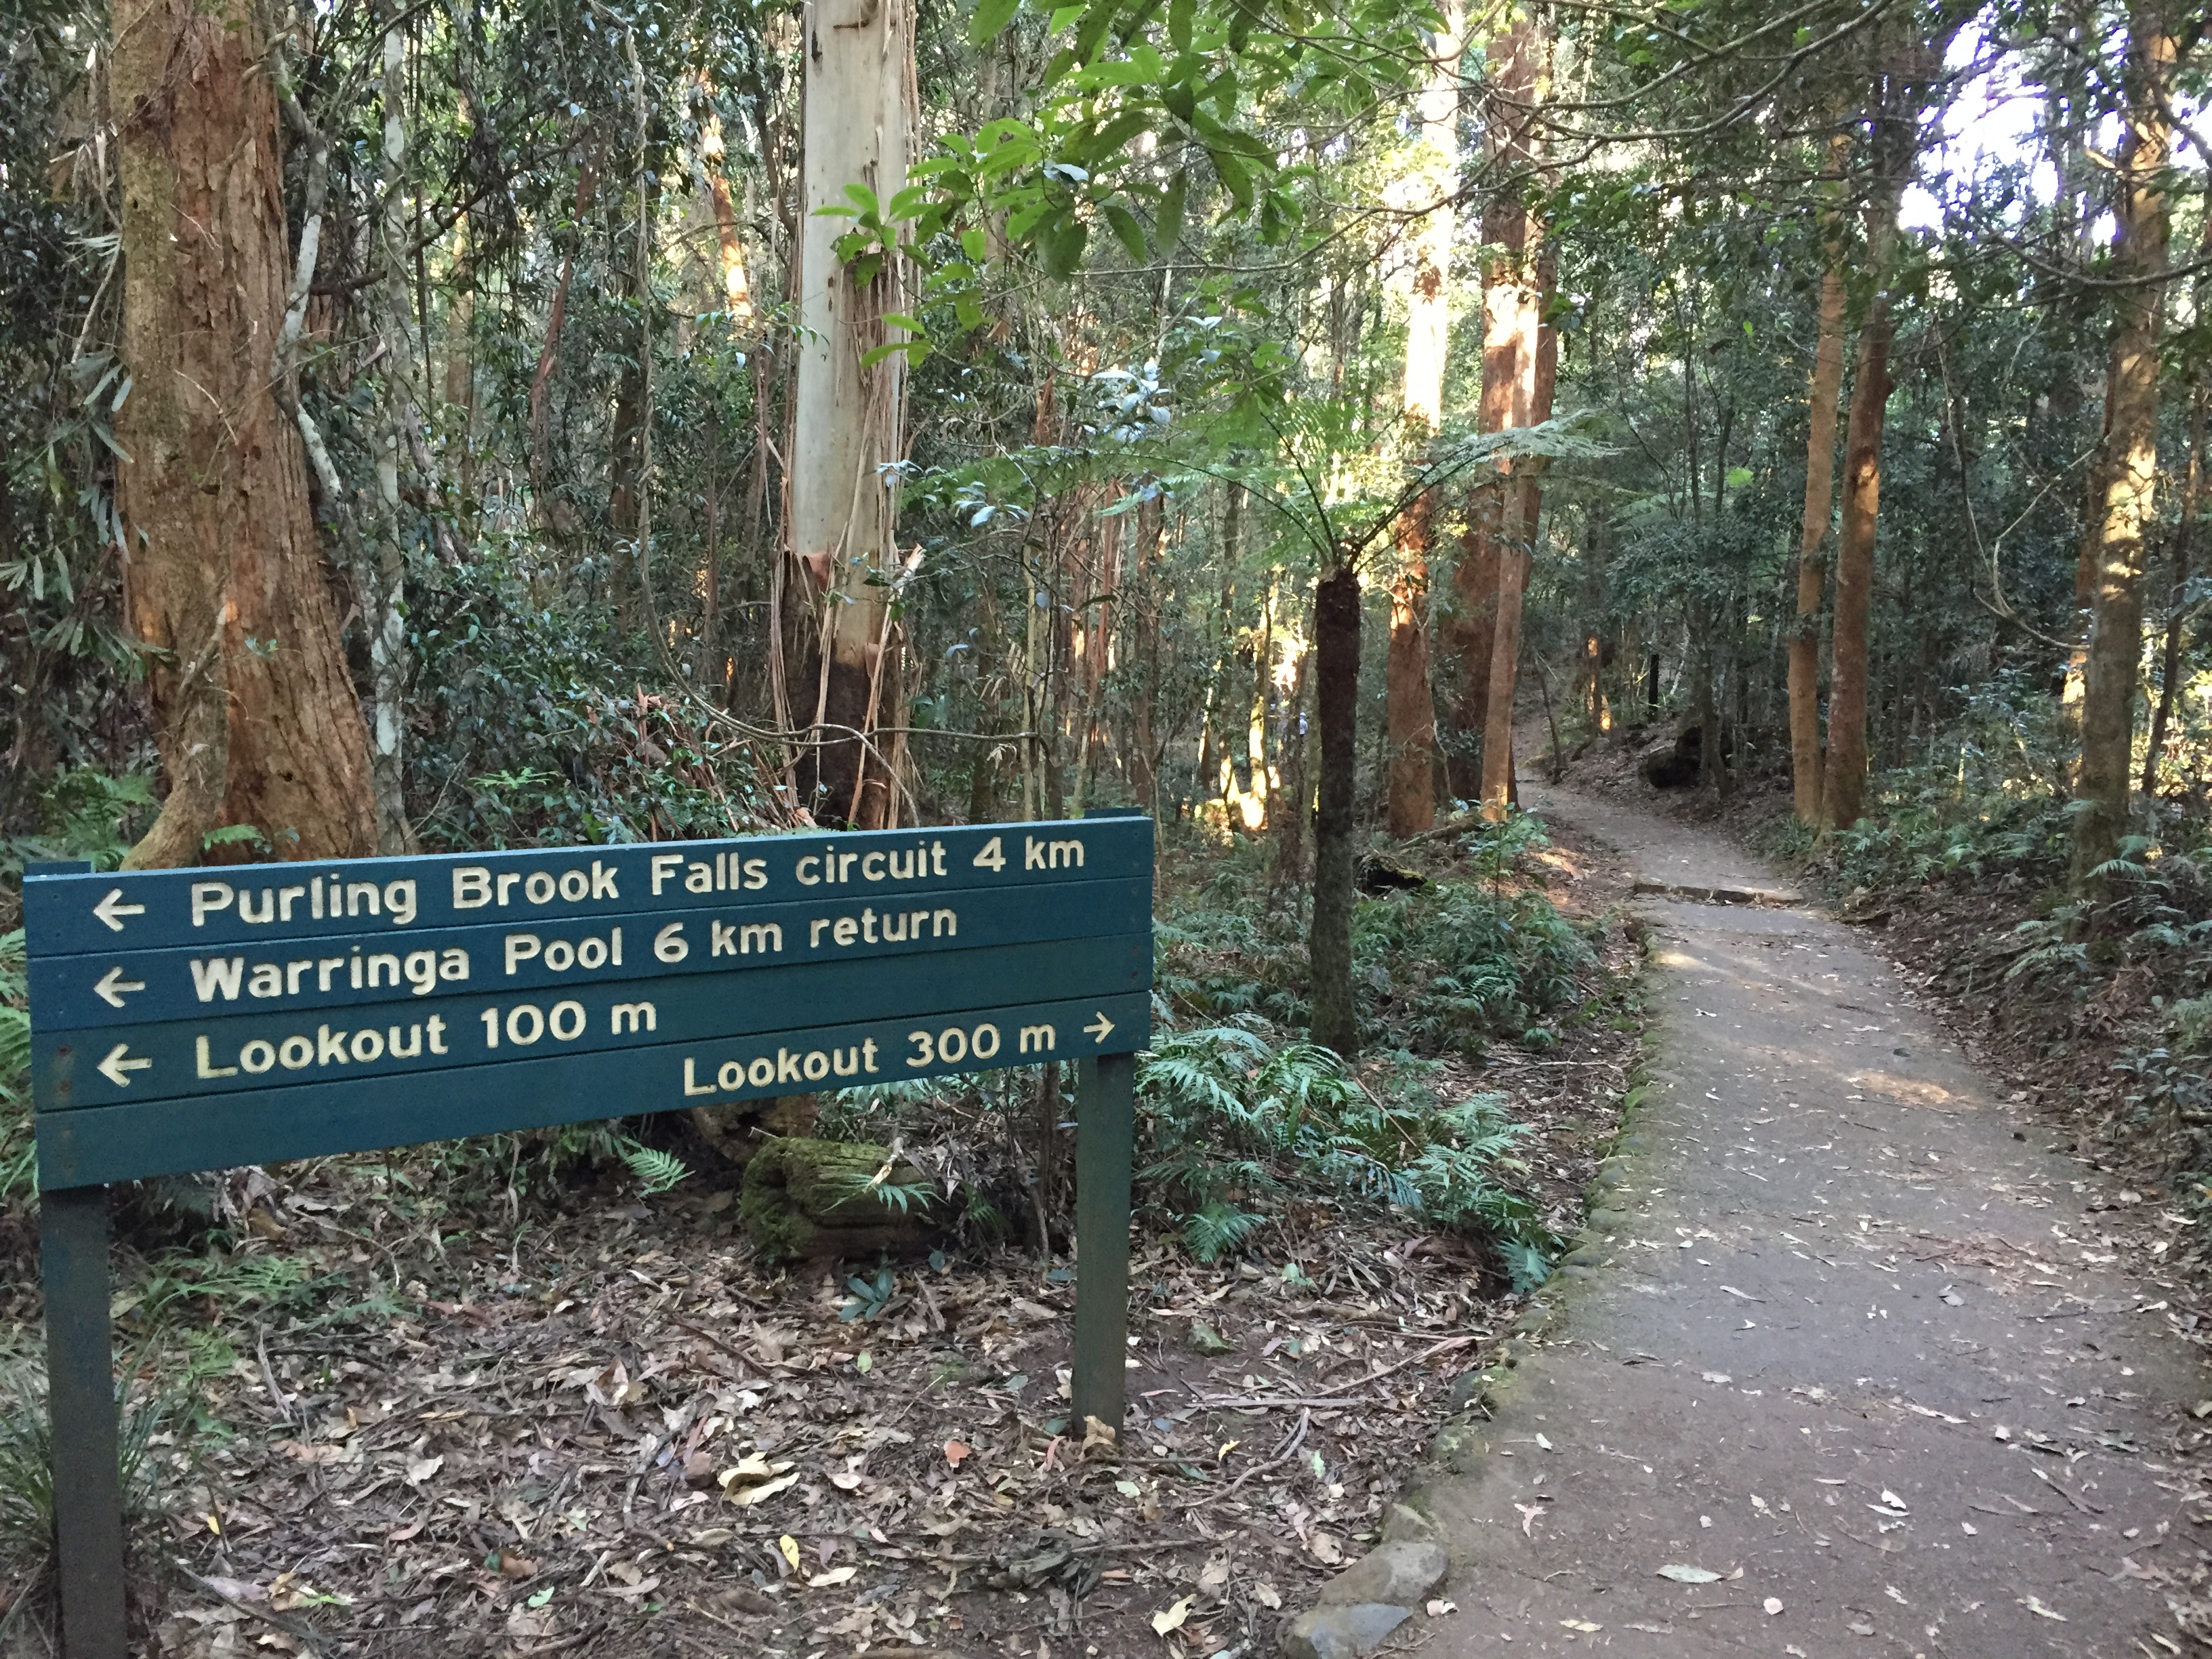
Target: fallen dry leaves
x=508, y=1427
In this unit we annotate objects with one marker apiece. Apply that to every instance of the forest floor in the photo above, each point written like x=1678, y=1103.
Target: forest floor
x=429, y=1403
x=1857, y=1359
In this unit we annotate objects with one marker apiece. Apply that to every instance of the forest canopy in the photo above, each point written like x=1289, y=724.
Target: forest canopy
x=501, y=421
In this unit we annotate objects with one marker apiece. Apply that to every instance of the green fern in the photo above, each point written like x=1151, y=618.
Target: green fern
x=892, y=1194
x=1218, y=1229
x=656, y=1171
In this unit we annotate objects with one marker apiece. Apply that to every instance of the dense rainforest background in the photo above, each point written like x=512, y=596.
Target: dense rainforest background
x=470, y=423
x=450, y=427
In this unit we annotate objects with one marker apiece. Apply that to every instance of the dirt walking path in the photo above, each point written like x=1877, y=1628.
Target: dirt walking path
x=1848, y=1339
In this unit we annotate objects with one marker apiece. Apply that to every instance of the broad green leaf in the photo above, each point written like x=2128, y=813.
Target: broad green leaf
x=1091, y=33
x=1167, y=220
x=1061, y=244
x=1114, y=138
x=1236, y=178
x=916, y=350
x=990, y=19
x=1132, y=233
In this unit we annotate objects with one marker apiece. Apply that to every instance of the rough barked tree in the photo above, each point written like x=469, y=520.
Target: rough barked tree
x=1336, y=700
x=224, y=578
x=1827, y=381
x=1428, y=183
x=2141, y=215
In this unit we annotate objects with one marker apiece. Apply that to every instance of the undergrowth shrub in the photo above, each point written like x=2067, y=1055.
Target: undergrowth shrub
x=1231, y=1123
x=1441, y=968
x=1449, y=965
x=527, y=738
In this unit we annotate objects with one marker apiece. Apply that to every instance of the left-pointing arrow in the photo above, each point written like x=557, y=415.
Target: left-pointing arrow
x=113, y=987
x=117, y=1069
x=112, y=909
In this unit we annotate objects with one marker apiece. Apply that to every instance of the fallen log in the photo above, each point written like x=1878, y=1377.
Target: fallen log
x=824, y=1200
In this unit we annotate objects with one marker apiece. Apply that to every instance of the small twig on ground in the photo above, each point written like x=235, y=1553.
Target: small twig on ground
x=269, y=1376
x=708, y=1335
x=1297, y=1438
x=2085, y=1508
x=1333, y=1401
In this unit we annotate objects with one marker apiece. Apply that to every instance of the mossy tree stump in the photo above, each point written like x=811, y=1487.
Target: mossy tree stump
x=810, y=1200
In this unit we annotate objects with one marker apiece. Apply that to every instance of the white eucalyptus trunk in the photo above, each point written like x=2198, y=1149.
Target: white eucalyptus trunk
x=848, y=413
x=380, y=573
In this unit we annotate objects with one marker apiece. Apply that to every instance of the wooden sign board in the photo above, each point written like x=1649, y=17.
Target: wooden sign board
x=196, y=1019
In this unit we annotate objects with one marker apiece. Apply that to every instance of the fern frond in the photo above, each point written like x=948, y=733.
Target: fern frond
x=656, y=1171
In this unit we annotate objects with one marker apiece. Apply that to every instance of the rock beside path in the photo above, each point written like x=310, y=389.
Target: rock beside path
x=1342, y=1632
x=1362, y=1605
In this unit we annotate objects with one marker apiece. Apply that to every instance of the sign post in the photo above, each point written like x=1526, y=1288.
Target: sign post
x=197, y=1019
x=1105, y=1148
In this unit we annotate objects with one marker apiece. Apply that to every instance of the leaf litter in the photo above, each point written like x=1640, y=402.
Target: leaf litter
x=584, y=1426
x=688, y=1450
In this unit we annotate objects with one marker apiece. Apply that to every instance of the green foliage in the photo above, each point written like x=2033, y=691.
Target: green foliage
x=18, y=1151
x=537, y=735
x=869, y=1297
x=1453, y=964
x=656, y=1171
x=84, y=813
x=1234, y=1124
x=26, y=1462
x=901, y=1196
x=1988, y=800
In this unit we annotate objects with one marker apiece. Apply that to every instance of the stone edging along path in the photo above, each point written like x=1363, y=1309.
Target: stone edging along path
x=1841, y=1366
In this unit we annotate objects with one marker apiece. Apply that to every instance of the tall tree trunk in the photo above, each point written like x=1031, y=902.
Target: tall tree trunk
x=2130, y=513
x=2192, y=485
x=551, y=507
x=380, y=577
x=737, y=282
x=2095, y=484
x=459, y=391
x=1492, y=576
x=1336, y=695
x=849, y=416
x=224, y=580
x=1843, y=787
x=1474, y=624
x=1094, y=625
x=1820, y=499
x=1259, y=783
x=1536, y=351
x=1145, y=756
x=1479, y=579
x=1412, y=703
x=1907, y=83
x=1294, y=805
x=626, y=448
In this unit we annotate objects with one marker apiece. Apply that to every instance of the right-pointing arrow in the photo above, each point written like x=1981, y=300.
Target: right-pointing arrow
x=1101, y=1029
x=117, y=1069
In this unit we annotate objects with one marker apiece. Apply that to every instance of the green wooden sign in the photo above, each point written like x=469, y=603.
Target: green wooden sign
x=196, y=1019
